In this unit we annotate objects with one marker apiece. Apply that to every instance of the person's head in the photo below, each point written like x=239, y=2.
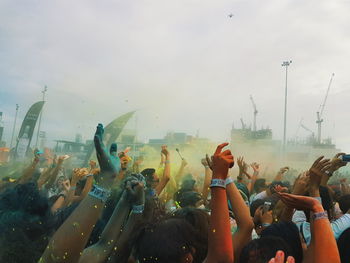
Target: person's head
x=258, y=208
x=151, y=177
x=172, y=240
x=199, y=219
x=25, y=225
x=190, y=199
x=188, y=184
x=263, y=249
x=344, y=203
x=343, y=246
x=289, y=232
x=260, y=185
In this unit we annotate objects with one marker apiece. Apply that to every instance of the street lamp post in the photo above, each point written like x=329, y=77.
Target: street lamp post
x=285, y=64
x=14, y=126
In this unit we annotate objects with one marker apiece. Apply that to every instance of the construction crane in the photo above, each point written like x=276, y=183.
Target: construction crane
x=307, y=129
x=319, y=113
x=255, y=112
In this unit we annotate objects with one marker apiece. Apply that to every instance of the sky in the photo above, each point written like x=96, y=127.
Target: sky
x=184, y=65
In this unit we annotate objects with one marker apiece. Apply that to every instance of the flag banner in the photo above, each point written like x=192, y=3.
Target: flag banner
x=27, y=129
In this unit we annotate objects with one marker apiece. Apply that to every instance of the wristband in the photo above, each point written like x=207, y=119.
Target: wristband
x=206, y=166
x=99, y=193
x=72, y=188
x=265, y=224
x=321, y=215
x=217, y=183
x=167, y=161
x=228, y=181
x=89, y=175
x=138, y=209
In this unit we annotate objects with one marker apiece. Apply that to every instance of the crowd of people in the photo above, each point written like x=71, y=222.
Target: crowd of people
x=121, y=210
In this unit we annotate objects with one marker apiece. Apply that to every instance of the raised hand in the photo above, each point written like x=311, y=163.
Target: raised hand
x=256, y=167
x=92, y=164
x=109, y=167
x=336, y=163
x=241, y=163
x=300, y=202
x=135, y=192
x=301, y=184
x=221, y=162
x=279, y=258
x=317, y=170
x=165, y=151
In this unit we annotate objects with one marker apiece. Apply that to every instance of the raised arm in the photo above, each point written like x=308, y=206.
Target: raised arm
x=220, y=242
x=280, y=174
x=325, y=248
x=207, y=179
x=137, y=194
x=180, y=173
x=166, y=174
x=99, y=252
x=29, y=171
x=78, y=226
x=242, y=215
x=256, y=169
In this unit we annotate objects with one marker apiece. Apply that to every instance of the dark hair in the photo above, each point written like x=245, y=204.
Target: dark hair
x=199, y=219
x=255, y=205
x=259, y=183
x=167, y=241
x=148, y=174
x=343, y=246
x=189, y=199
x=263, y=249
x=344, y=203
x=25, y=224
x=289, y=232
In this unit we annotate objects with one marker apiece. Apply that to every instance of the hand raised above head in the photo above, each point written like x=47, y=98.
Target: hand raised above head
x=300, y=202
x=165, y=151
x=317, y=170
x=221, y=161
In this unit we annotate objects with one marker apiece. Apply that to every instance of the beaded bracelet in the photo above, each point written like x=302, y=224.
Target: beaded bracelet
x=218, y=183
x=100, y=193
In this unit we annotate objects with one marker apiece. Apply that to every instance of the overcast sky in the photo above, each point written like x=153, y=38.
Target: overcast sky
x=184, y=65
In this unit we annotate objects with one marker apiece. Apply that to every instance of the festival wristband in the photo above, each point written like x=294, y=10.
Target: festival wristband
x=217, y=183
x=99, y=193
x=321, y=215
x=265, y=224
x=228, y=181
x=138, y=209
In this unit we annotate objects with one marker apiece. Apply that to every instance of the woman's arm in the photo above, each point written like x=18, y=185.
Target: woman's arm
x=99, y=252
x=242, y=215
x=78, y=226
x=207, y=179
x=166, y=174
x=219, y=236
x=123, y=251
